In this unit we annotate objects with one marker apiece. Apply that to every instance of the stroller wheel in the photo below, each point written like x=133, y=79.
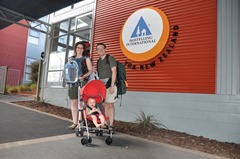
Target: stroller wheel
x=84, y=141
x=108, y=140
x=89, y=140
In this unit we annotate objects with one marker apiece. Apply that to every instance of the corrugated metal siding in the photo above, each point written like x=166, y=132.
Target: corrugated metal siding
x=191, y=66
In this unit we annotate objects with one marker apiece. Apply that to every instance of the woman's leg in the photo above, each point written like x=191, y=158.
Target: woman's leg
x=73, y=95
x=75, y=111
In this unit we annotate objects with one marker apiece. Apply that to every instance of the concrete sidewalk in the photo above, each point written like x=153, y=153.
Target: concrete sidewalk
x=13, y=98
x=28, y=134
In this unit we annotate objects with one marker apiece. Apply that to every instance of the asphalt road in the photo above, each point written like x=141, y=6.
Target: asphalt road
x=28, y=134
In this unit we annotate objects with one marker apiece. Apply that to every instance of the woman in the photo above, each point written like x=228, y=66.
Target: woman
x=85, y=68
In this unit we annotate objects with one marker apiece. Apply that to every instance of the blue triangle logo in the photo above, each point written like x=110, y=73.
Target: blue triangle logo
x=141, y=29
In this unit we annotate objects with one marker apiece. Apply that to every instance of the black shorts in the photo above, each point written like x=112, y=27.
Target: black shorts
x=73, y=90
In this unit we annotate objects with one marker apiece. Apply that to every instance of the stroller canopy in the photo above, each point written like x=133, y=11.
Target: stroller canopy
x=95, y=89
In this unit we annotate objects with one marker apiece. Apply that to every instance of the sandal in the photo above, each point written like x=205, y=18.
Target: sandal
x=112, y=127
x=103, y=127
x=72, y=127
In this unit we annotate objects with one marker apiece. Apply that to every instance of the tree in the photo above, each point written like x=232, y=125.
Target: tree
x=34, y=71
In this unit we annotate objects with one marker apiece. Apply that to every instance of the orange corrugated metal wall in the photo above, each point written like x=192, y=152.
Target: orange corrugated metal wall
x=191, y=65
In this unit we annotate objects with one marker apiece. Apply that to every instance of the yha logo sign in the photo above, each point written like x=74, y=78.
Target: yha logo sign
x=144, y=34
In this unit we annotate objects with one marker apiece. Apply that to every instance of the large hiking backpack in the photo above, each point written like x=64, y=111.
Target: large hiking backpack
x=120, y=79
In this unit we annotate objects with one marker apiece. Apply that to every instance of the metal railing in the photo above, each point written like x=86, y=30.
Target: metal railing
x=8, y=77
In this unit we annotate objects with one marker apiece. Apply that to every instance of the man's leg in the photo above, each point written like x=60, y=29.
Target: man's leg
x=109, y=108
x=106, y=112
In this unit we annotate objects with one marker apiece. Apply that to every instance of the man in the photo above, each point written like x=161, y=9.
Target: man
x=107, y=73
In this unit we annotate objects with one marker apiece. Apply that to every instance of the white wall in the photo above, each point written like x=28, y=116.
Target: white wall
x=212, y=116
x=228, y=52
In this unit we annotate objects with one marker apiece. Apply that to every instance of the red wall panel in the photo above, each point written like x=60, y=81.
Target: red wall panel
x=191, y=65
x=13, y=42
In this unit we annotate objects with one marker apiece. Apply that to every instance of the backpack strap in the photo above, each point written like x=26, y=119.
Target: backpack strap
x=97, y=67
x=107, y=62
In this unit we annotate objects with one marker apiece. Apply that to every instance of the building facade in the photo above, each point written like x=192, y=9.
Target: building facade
x=20, y=47
x=13, y=50
x=182, y=60
x=35, y=46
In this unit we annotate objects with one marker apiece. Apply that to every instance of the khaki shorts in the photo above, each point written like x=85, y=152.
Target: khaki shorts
x=111, y=98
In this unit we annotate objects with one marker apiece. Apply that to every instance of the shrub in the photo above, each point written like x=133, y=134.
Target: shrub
x=23, y=88
x=17, y=89
x=13, y=89
x=34, y=71
x=33, y=86
x=148, y=120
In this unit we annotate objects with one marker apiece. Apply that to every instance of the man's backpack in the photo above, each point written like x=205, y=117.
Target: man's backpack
x=120, y=79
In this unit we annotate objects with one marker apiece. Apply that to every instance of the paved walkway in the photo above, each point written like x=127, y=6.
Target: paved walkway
x=29, y=134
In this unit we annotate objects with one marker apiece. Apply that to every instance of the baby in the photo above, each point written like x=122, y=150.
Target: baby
x=95, y=113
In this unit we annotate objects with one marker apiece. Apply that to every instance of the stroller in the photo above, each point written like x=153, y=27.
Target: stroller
x=97, y=90
x=94, y=89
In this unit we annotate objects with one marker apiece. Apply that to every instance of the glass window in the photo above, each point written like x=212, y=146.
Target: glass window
x=55, y=78
x=62, y=39
x=71, y=41
x=34, y=35
x=60, y=49
x=28, y=69
x=27, y=77
x=73, y=25
x=57, y=61
x=33, y=40
x=29, y=61
x=64, y=26
x=63, y=42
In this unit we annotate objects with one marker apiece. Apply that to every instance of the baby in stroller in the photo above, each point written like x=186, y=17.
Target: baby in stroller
x=94, y=111
x=93, y=95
